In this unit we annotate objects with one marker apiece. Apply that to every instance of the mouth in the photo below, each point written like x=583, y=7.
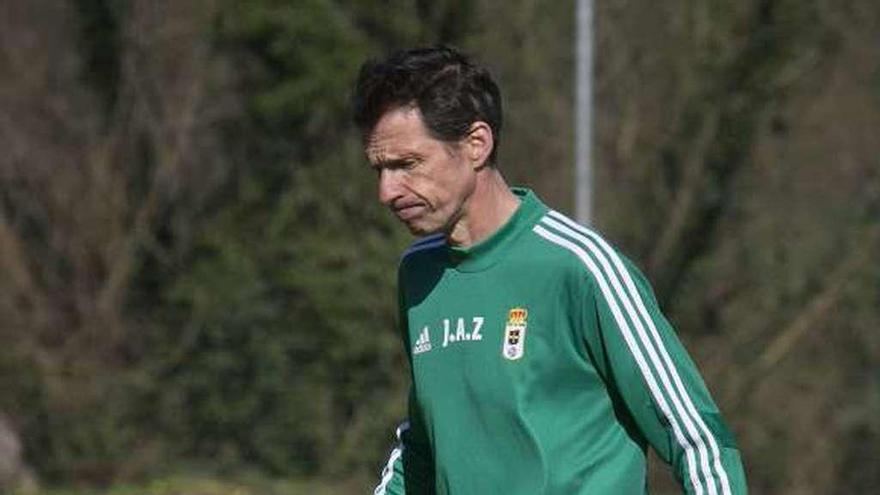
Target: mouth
x=408, y=212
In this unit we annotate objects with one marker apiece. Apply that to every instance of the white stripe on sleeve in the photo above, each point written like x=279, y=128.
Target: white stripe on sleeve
x=388, y=470
x=634, y=295
x=633, y=347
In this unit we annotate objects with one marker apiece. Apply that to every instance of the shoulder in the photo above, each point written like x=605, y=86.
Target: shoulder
x=580, y=248
x=432, y=241
x=421, y=266
x=421, y=250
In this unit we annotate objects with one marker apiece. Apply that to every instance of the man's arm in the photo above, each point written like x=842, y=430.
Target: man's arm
x=650, y=371
x=409, y=469
x=410, y=466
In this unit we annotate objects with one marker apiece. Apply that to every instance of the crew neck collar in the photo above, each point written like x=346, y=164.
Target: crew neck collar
x=489, y=251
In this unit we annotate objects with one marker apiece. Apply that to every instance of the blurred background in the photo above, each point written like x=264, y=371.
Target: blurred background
x=197, y=281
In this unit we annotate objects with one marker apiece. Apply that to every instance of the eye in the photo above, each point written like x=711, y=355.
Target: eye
x=410, y=164
x=402, y=165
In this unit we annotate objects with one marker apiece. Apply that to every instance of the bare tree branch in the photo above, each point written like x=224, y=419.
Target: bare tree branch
x=686, y=200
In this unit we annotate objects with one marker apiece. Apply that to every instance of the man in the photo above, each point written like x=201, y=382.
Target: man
x=540, y=361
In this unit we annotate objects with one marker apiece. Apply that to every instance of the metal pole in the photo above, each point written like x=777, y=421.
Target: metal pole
x=584, y=113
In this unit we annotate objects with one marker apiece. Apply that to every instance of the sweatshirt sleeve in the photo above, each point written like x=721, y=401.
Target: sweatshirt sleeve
x=410, y=466
x=650, y=371
x=409, y=469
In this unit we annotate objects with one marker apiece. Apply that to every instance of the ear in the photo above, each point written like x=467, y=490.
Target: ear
x=478, y=144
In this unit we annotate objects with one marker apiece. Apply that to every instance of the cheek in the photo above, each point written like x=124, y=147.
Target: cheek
x=444, y=191
x=443, y=185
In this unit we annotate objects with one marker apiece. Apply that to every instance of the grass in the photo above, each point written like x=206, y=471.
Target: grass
x=189, y=485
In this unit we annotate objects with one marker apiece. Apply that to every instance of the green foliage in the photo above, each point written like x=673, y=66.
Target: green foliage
x=281, y=351
x=304, y=54
x=280, y=363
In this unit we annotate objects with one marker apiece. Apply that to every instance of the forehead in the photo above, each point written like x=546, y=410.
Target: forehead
x=398, y=132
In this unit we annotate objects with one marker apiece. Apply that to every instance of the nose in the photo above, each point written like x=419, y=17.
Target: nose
x=389, y=186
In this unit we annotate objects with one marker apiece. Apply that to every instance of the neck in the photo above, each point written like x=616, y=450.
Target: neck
x=488, y=208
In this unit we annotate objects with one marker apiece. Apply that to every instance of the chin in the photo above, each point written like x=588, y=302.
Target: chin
x=421, y=230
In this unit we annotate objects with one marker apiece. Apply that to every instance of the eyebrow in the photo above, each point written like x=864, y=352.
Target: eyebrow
x=395, y=162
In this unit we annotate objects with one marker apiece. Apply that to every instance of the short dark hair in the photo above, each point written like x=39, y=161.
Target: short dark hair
x=450, y=91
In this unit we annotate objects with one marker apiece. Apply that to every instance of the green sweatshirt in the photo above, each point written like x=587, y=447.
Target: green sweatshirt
x=541, y=364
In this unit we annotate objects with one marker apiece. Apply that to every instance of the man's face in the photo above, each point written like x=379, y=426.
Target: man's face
x=424, y=181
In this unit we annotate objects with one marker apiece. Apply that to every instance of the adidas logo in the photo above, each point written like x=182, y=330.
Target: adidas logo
x=423, y=344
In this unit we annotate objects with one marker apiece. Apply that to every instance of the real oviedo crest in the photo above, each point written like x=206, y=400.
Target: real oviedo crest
x=515, y=334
